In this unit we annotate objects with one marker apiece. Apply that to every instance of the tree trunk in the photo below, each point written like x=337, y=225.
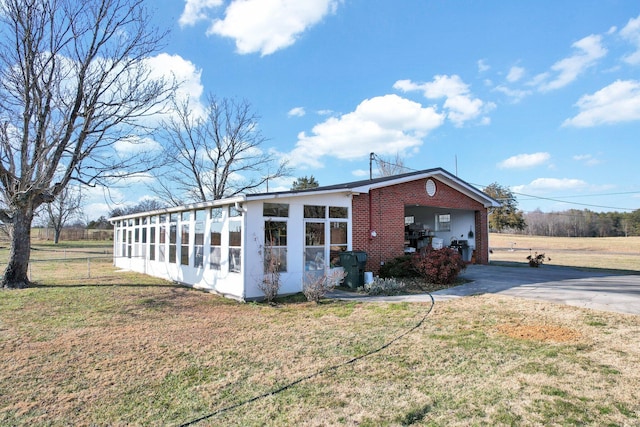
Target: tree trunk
x=15, y=276
x=56, y=236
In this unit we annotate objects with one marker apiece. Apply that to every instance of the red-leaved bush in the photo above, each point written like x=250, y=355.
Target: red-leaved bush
x=439, y=266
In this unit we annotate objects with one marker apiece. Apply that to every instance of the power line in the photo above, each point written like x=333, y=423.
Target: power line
x=559, y=198
x=595, y=195
x=574, y=203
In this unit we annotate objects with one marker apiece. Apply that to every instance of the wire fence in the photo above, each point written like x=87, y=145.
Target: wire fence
x=67, y=265
x=70, y=268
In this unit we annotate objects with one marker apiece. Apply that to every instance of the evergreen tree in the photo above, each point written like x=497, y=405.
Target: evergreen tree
x=506, y=216
x=304, y=183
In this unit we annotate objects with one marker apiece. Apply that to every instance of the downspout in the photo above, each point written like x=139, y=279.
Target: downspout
x=371, y=231
x=115, y=241
x=242, y=209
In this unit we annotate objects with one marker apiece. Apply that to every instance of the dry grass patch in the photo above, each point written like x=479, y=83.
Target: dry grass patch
x=545, y=333
x=139, y=351
x=621, y=253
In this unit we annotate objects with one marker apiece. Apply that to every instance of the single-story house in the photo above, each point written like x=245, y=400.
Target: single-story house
x=220, y=245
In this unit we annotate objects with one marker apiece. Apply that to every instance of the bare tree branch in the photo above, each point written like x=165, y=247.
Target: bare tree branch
x=391, y=166
x=216, y=155
x=74, y=81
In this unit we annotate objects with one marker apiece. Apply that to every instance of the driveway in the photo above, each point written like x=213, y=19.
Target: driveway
x=595, y=290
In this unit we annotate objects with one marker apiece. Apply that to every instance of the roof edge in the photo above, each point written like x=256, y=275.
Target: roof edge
x=191, y=206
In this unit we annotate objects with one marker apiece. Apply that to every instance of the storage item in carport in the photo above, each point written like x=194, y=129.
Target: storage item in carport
x=437, y=243
x=462, y=246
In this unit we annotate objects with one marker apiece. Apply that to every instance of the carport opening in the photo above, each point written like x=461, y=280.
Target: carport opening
x=438, y=227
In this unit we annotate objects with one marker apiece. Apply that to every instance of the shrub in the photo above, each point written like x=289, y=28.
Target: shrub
x=316, y=286
x=270, y=284
x=536, y=260
x=439, y=266
x=402, y=266
x=384, y=286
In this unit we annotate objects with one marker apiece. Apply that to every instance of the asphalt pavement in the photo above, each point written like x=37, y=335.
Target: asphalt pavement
x=598, y=290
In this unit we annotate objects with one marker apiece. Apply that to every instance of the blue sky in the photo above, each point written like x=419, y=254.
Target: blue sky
x=540, y=96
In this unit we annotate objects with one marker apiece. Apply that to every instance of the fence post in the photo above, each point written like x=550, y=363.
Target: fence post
x=88, y=268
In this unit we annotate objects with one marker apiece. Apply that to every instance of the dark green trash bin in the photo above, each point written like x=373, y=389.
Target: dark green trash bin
x=354, y=264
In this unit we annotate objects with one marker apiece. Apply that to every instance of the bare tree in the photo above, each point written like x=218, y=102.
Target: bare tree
x=215, y=154
x=73, y=82
x=391, y=166
x=144, y=205
x=66, y=206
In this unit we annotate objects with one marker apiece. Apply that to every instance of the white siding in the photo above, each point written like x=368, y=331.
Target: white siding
x=240, y=285
x=221, y=281
x=292, y=279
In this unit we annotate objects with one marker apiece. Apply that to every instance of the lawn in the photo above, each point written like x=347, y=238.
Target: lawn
x=127, y=349
x=621, y=253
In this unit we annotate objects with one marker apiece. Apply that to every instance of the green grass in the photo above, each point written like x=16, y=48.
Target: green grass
x=128, y=349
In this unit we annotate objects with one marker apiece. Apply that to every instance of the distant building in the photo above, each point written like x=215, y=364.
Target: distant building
x=220, y=245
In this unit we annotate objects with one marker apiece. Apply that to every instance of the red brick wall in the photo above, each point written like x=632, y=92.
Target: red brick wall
x=386, y=217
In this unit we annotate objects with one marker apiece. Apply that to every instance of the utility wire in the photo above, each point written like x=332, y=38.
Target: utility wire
x=559, y=199
x=532, y=197
x=593, y=195
x=313, y=375
x=573, y=203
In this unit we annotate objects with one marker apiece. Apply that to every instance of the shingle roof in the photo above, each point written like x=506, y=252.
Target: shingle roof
x=366, y=184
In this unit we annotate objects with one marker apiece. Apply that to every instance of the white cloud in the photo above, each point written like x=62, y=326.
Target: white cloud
x=136, y=145
x=195, y=11
x=185, y=73
x=461, y=106
x=360, y=173
x=522, y=161
x=587, y=159
x=137, y=178
x=516, y=95
x=93, y=211
x=566, y=70
x=543, y=185
x=384, y=124
x=483, y=66
x=267, y=26
x=98, y=201
x=631, y=32
x=296, y=112
x=515, y=74
x=618, y=102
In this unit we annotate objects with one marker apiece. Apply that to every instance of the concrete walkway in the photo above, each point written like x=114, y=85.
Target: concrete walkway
x=564, y=285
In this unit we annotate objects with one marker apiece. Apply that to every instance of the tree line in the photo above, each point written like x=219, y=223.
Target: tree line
x=568, y=223
x=582, y=223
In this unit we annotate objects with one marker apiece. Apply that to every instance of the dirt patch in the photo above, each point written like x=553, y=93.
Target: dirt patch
x=544, y=333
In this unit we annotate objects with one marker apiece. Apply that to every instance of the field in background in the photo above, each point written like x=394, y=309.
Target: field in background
x=621, y=253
